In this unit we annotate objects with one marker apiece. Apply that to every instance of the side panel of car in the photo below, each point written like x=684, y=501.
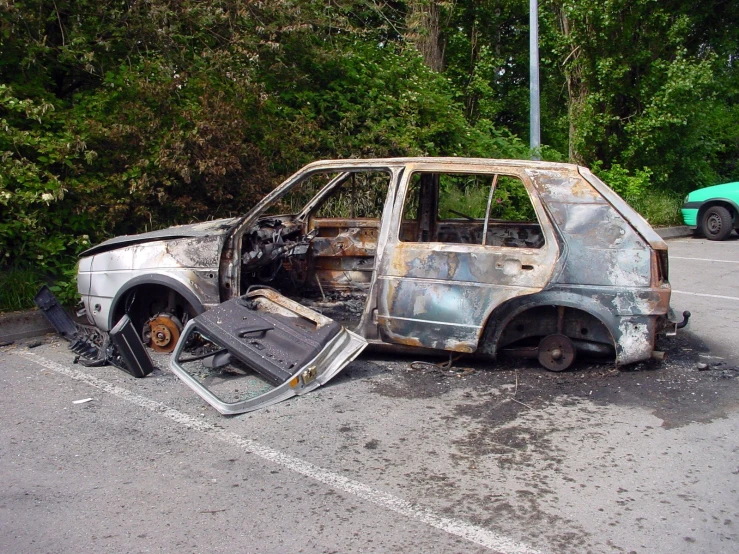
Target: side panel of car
x=193, y=263
x=439, y=294
x=731, y=205
x=690, y=215
x=608, y=263
x=693, y=211
x=555, y=310
x=586, y=317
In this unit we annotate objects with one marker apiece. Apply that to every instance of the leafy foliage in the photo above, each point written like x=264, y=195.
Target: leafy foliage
x=645, y=84
x=119, y=115
x=620, y=179
x=469, y=195
x=37, y=154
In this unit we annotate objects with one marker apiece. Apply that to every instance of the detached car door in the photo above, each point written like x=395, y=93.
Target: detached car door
x=259, y=349
x=465, y=238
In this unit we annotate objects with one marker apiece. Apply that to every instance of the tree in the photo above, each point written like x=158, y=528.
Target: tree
x=642, y=84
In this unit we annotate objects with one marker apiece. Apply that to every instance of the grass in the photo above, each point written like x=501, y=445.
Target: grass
x=18, y=287
x=659, y=208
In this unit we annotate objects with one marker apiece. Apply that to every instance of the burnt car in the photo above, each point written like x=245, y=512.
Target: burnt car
x=462, y=255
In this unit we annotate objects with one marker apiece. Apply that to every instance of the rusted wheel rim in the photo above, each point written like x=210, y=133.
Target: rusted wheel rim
x=556, y=352
x=164, y=333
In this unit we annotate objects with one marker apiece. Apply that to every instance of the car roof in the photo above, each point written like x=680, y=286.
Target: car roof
x=448, y=160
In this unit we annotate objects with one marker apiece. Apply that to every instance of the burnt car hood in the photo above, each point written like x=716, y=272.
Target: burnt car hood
x=205, y=229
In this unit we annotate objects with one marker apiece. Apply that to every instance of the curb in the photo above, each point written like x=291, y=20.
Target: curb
x=674, y=232
x=23, y=325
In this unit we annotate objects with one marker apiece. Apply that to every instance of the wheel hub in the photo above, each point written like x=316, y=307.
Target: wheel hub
x=714, y=223
x=556, y=352
x=162, y=332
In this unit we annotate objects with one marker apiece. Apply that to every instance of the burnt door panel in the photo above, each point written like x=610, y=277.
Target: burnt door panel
x=259, y=349
x=439, y=296
x=438, y=292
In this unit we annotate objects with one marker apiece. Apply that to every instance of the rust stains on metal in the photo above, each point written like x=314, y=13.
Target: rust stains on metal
x=581, y=265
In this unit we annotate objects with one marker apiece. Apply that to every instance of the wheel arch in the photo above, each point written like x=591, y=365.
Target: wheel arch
x=723, y=202
x=501, y=318
x=154, y=279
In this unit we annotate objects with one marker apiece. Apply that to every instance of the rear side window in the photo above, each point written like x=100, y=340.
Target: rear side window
x=468, y=208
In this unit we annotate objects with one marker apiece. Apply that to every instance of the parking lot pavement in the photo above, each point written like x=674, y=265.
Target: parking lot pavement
x=387, y=458
x=705, y=280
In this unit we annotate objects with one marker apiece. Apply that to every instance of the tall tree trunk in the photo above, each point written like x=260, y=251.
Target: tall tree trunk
x=424, y=31
x=577, y=89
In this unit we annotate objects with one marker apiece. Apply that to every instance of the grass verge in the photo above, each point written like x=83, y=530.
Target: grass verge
x=659, y=208
x=18, y=287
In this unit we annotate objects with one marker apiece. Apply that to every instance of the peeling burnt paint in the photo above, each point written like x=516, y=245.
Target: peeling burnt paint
x=565, y=186
x=589, y=268
x=195, y=252
x=636, y=336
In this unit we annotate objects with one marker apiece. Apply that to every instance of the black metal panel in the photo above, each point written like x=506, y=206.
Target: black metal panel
x=130, y=354
x=53, y=311
x=273, y=344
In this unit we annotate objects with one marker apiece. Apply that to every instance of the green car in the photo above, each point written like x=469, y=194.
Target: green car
x=713, y=210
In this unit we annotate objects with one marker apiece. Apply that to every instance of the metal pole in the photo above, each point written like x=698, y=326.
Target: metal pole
x=534, y=117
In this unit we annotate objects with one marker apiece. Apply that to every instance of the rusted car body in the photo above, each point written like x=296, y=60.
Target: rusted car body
x=374, y=245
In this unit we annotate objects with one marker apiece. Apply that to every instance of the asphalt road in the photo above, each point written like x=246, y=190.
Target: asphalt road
x=705, y=279
x=502, y=458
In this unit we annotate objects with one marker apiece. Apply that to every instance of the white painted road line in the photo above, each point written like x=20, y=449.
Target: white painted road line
x=473, y=533
x=706, y=295
x=705, y=260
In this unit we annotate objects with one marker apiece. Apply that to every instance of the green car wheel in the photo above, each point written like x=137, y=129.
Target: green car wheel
x=716, y=223
x=713, y=211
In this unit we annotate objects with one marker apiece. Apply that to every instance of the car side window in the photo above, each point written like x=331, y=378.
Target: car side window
x=361, y=196
x=343, y=195
x=466, y=208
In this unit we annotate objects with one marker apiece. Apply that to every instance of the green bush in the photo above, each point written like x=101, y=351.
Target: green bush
x=659, y=207
x=623, y=182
